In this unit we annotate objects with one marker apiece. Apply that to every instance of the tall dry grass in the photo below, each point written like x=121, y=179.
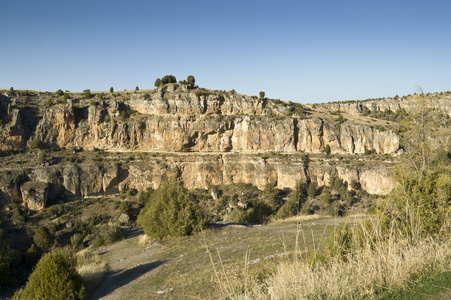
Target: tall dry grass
x=388, y=266
x=365, y=262
x=92, y=269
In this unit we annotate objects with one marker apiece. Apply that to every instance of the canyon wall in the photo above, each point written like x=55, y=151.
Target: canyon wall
x=53, y=183
x=441, y=102
x=199, y=136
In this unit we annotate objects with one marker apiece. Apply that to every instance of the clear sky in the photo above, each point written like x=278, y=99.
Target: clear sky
x=303, y=51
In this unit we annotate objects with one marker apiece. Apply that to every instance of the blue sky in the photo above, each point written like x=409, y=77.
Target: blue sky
x=303, y=51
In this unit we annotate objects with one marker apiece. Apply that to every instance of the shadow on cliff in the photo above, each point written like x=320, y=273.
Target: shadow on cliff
x=121, y=278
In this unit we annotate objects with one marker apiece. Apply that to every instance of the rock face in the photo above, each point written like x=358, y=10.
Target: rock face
x=441, y=102
x=201, y=137
x=34, y=194
x=54, y=183
x=62, y=126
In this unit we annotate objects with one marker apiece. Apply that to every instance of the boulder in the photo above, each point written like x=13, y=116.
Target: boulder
x=34, y=194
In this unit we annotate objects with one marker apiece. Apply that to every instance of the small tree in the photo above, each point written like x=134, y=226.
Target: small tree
x=111, y=90
x=311, y=191
x=43, y=239
x=172, y=211
x=191, y=80
x=169, y=79
x=262, y=95
x=5, y=262
x=54, y=277
x=137, y=88
x=87, y=94
x=298, y=195
x=327, y=149
x=270, y=192
x=59, y=92
x=157, y=82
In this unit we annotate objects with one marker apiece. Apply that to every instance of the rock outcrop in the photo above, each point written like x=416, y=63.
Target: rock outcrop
x=441, y=102
x=53, y=183
x=199, y=136
x=34, y=194
x=62, y=126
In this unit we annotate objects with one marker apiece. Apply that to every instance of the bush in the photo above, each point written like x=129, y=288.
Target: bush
x=287, y=210
x=132, y=192
x=172, y=211
x=168, y=79
x=54, y=277
x=125, y=207
x=43, y=239
x=87, y=94
x=258, y=213
x=191, y=80
x=157, y=82
x=327, y=149
x=144, y=196
x=5, y=263
x=105, y=234
x=36, y=144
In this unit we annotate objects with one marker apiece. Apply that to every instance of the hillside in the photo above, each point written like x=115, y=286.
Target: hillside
x=201, y=136
x=75, y=166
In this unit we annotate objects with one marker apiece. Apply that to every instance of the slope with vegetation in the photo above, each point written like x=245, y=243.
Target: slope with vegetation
x=176, y=159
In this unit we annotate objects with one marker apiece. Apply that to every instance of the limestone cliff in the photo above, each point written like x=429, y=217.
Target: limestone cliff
x=203, y=137
x=439, y=101
x=53, y=183
x=203, y=124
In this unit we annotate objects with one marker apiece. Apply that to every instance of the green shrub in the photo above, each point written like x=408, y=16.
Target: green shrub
x=36, y=144
x=311, y=190
x=5, y=263
x=43, y=239
x=87, y=94
x=105, y=234
x=54, y=277
x=257, y=213
x=327, y=149
x=168, y=79
x=144, y=196
x=270, y=193
x=286, y=210
x=298, y=195
x=132, y=192
x=340, y=119
x=157, y=82
x=172, y=211
x=125, y=207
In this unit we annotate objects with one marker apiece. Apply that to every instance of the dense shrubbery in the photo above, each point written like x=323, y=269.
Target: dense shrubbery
x=54, y=277
x=387, y=115
x=5, y=263
x=105, y=234
x=172, y=211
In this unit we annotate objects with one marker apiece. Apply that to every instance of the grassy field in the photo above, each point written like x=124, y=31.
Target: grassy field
x=204, y=265
x=243, y=262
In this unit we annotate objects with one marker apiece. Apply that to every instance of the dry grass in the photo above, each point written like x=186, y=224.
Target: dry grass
x=387, y=267
x=92, y=269
x=297, y=219
x=379, y=264
x=143, y=240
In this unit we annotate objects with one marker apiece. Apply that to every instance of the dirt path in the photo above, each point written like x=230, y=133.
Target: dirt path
x=127, y=262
